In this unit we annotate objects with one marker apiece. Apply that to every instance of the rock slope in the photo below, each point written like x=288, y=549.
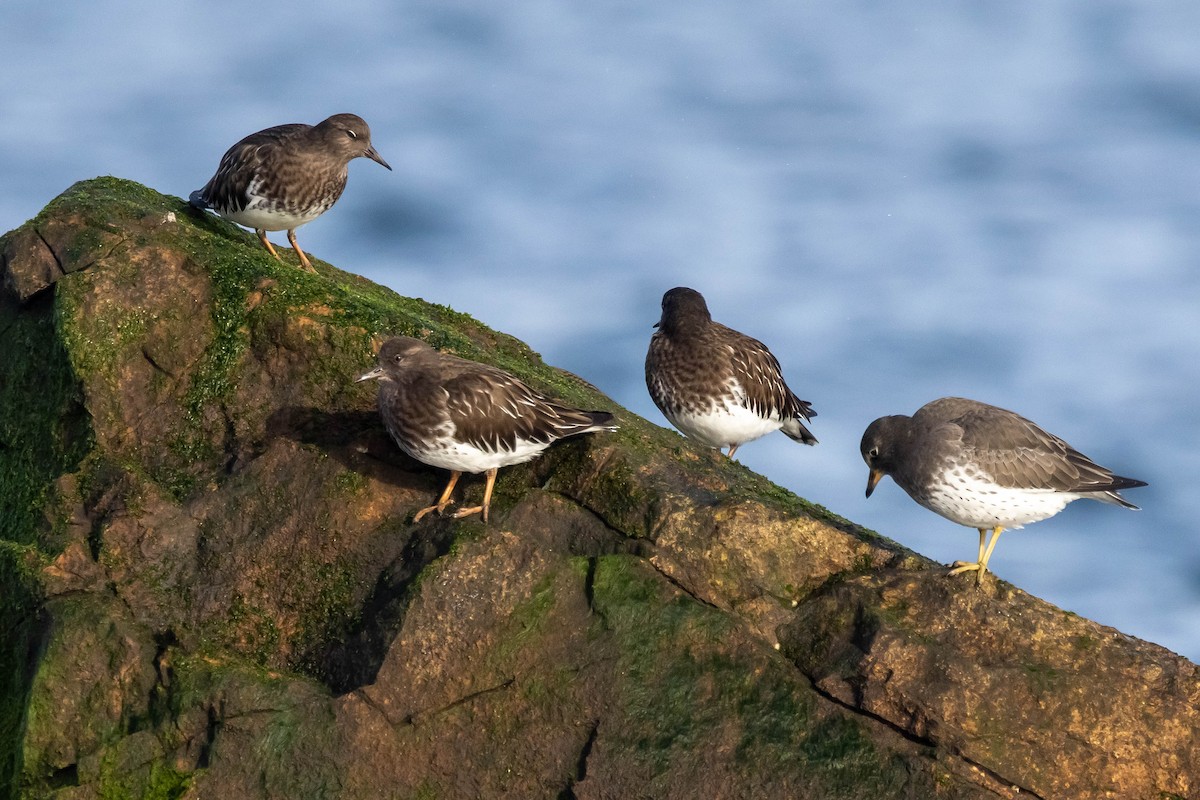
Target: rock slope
x=210, y=585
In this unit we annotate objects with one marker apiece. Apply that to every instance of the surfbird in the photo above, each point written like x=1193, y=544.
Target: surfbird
x=283, y=177
x=984, y=467
x=716, y=385
x=464, y=416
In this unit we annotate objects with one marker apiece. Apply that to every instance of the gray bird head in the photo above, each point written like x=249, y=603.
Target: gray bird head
x=350, y=137
x=879, y=446
x=392, y=357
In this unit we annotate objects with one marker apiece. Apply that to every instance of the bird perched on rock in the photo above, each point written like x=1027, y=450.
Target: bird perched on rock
x=464, y=416
x=984, y=467
x=719, y=387
x=283, y=177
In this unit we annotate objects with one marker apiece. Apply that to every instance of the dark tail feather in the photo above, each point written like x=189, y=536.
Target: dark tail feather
x=792, y=426
x=575, y=423
x=1116, y=500
x=794, y=429
x=602, y=420
x=1109, y=493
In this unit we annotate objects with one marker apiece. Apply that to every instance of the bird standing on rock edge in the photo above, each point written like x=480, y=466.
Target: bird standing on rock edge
x=716, y=385
x=283, y=177
x=984, y=467
x=464, y=416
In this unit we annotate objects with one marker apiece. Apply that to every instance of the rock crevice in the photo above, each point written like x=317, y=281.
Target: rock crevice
x=211, y=585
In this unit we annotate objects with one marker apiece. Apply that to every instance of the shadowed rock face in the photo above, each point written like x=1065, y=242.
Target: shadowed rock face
x=210, y=586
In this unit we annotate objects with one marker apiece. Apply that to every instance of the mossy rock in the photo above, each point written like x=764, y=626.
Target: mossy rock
x=212, y=587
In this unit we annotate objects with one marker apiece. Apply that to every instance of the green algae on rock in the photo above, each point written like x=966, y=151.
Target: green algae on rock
x=211, y=584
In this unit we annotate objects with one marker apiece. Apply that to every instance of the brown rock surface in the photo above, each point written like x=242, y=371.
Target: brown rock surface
x=1058, y=705
x=210, y=585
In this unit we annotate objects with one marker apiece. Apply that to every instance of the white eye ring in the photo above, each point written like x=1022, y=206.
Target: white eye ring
x=352, y=134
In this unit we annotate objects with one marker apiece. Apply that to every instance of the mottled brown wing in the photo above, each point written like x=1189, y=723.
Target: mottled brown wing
x=492, y=410
x=761, y=377
x=226, y=190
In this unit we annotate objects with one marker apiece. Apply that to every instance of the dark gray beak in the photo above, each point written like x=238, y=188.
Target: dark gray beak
x=372, y=154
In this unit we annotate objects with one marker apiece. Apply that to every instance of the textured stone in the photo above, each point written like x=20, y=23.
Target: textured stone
x=211, y=584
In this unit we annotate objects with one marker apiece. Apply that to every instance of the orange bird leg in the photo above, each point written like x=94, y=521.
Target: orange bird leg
x=262, y=237
x=443, y=501
x=304, y=262
x=487, y=498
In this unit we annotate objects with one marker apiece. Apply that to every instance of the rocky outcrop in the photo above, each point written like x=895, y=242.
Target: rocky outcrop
x=210, y=584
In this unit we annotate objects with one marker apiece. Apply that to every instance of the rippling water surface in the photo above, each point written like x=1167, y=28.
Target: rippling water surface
x=904, y=200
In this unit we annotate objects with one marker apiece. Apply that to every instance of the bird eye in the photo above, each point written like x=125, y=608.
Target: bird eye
x=874, y=452
x=351, y=134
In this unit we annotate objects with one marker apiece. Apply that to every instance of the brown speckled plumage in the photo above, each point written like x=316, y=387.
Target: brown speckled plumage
x=711, y=381
x=288, y=175
x=464, y=416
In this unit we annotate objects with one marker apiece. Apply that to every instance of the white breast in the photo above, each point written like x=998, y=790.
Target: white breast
x=447, y=453
x=262, y=219
x=969, y=498
x=263, y=213
x=725, y=423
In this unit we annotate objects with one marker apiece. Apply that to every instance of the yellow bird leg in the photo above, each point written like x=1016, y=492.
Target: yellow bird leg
x=979, y=567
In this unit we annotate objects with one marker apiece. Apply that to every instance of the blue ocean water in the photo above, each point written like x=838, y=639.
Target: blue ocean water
x=904, y=201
